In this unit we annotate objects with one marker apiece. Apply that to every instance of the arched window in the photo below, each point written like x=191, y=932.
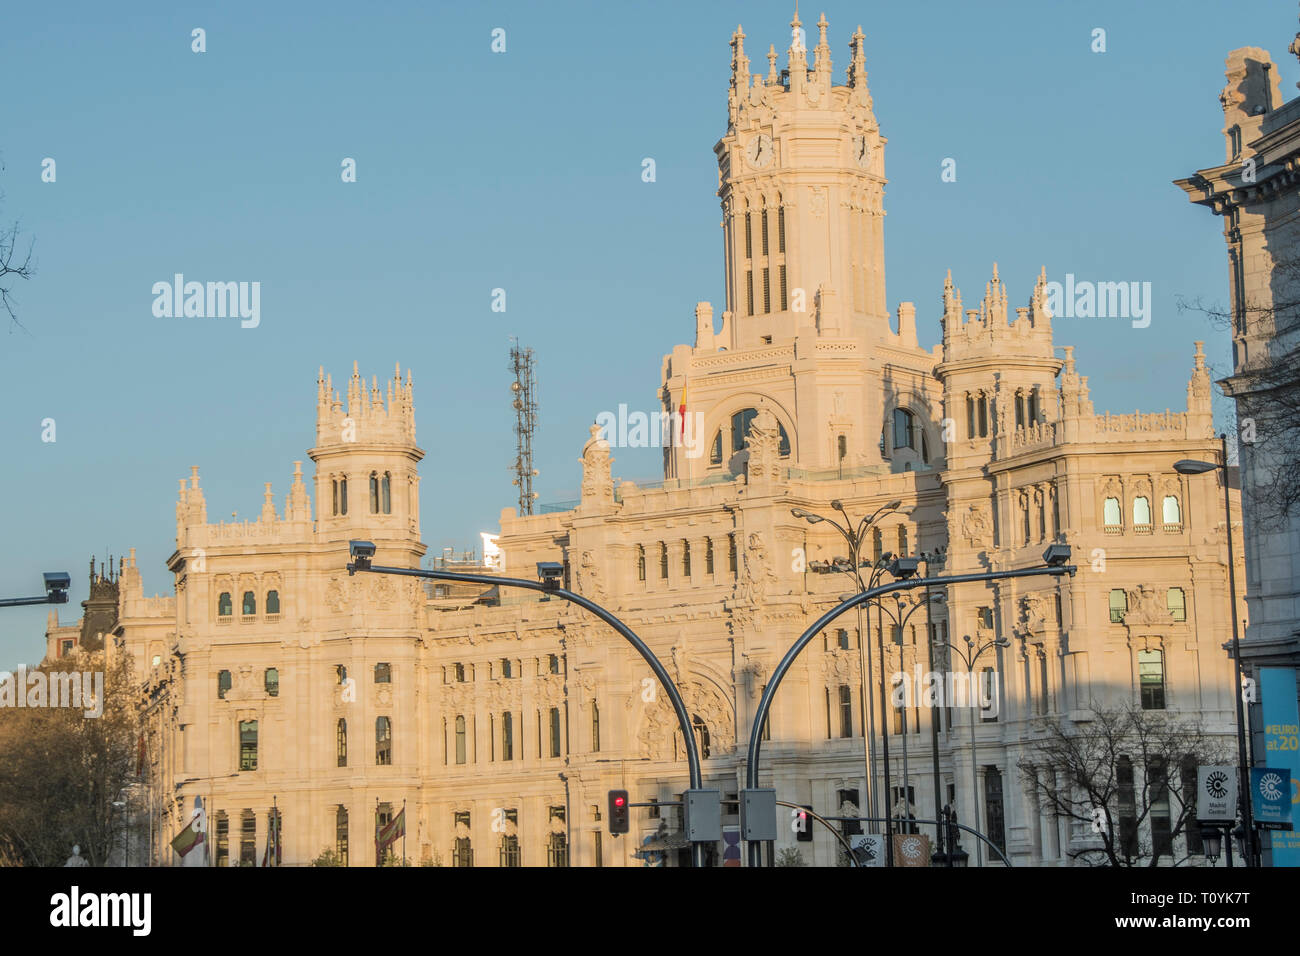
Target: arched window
x=250, y=603
x=1171, y=513
x=708, y=555
x=715, y=451
x=1176, y=601
x=842, y=446
x=343, y=496
x=701, y=735
x=971, y=430
x=248, y=745
x=383, y=742
x=640, y=562
x=903, y=437
x=341, y=742
x=1111, y=516
x=224, y=606
x=223, y=684
x=1141, y=512
x=507, y=736
x=902, y=540
x=1020, y=409
x=374, y=493
x=595, y=727
x=460, y=738
x=335, y=485
x=686, y=558
x=386, y=493
x=1033, y=407
x=663, y=560
x=982, y=414
x=272, y=602
x=271, y=681
x=877, y=545
x=740, y=423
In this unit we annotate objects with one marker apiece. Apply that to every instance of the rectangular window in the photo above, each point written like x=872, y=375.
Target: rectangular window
x=767, y=290
x=708, y=555
x=763, y=214
x=1118, y=605
x=731, y=553
x=555, y=731
x=223, y=839
x=749, y=291
x=780, y=229
x=383, y=742
x=749, y=236
x=1151, y=679
x=383, y=674
x=983, y=414
x=595, y=727
x=1127, y=801
x=663, y=562
x=985, y=617
x=460, y=739
x=507, y=736
x=248, y=745
x=341, y=834
x=846, y=711
x=781, y=274
x=996, y=831
x=1044, y=695
x=599, y=849
x=248, y=839
x=829, y=734
x=1158, y=782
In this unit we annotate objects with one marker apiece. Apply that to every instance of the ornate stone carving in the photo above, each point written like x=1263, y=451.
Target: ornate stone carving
x=338, y=594
x=1146, y=607
x=589, y=585
x=764, y=446
x=1033, y=614
x=817, y=202
x=759, y=576
x=977, y=525
x=597, y=482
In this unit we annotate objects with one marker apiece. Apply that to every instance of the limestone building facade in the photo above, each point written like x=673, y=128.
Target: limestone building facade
x=500, y=720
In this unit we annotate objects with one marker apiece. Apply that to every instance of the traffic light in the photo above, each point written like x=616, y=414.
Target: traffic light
x=803, y=826
x=620, y=817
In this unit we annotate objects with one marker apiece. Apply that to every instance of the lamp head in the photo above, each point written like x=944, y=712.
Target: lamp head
x=1191, y=466
x=56, y=586
x=550, y=573
x=904, y=568
x=361, y=552
x=1056, y=555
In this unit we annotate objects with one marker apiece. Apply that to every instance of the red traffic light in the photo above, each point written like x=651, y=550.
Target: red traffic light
x=620, y=815
x=619, y=801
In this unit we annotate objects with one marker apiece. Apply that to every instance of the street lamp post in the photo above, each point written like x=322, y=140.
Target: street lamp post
x=550, y=575
x=970, y=656
x=1188, y=466
x=1056, y=559
x=900, y=623
x=853, y=535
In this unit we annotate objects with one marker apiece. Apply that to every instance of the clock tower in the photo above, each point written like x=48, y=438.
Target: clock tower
x=801, y=174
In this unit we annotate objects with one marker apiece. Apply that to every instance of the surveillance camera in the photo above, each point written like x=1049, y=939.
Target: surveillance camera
x=361, y=549
x=550, y=573
x=56, y=586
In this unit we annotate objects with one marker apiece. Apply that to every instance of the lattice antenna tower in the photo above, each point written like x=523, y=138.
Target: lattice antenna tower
x=524, y=388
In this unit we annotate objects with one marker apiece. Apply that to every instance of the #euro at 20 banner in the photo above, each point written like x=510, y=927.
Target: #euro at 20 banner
x=1281, y=718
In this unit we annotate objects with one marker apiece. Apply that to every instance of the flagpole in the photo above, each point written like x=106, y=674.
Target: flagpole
x=378, y=859
x=275, y=829
x=403, y=831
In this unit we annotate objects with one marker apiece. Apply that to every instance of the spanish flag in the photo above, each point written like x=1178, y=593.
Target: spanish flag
x=682, y=411
x=191, y=836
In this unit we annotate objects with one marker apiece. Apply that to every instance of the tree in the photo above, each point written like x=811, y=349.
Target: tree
x=790, y=856
x=14, y=264
x=1117, y=775
x=1267, y=391
x=61, y=772
x=328, y=857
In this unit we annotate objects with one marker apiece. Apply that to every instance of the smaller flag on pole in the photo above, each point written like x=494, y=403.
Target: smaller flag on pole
x=194, y=834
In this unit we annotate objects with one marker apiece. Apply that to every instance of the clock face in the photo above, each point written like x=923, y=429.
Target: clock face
x=760, y=151
x=861, y=151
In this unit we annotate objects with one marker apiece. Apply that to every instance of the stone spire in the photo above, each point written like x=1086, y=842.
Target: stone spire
x=858, y=67
x=297, y=506
x=268, y=506
x=772, y=76
x=822, y=55
x=739, y=63
x=797, y=54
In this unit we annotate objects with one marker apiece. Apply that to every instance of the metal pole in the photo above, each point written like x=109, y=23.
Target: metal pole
x=679, y=706
x=934, y=719
x=868, y=717
x=786, y=662
x=1243, y=776
x=974, y=767
x=884, y=741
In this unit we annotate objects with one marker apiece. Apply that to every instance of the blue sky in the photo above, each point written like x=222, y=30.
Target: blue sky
x=522, y=170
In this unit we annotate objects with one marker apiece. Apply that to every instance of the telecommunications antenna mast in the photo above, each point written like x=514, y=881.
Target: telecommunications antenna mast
x=524, y=388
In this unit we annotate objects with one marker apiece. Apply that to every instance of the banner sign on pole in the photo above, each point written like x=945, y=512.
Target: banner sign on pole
x=1280, y=715
x=1216, y=794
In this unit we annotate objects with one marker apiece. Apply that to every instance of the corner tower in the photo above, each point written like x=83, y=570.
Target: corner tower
x=801, y=172
x=367, y=482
